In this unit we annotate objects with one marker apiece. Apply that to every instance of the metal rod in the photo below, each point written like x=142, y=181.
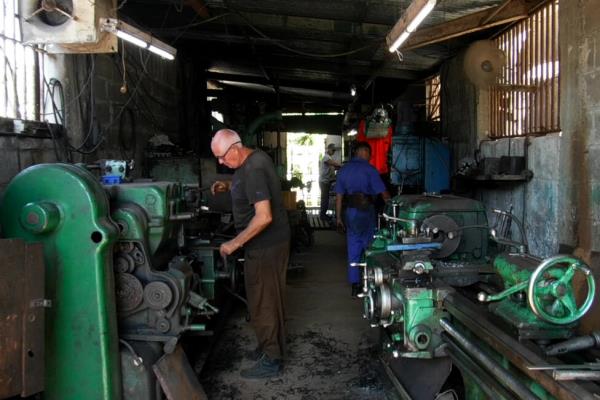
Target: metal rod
x=505, y=378
x=495, y=12
x=486, y=382
x=576, y=375
x=519, y=355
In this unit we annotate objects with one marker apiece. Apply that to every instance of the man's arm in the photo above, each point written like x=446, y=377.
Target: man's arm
x=262, y=218
x=333, y=163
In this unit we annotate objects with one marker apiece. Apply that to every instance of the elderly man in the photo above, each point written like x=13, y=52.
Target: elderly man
x=326, y=176
x=358, y=184
x=263, y=231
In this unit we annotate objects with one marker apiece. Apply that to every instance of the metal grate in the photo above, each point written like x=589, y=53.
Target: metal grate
x=432, y=97
x=525, y=100
x=18, y=68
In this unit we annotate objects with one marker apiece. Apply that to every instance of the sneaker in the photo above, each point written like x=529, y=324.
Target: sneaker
x=254, y=355
x=264, y=368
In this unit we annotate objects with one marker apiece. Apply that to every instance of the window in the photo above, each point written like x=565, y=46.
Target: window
x=525, y=100
x=18, y=68
x=432, y=98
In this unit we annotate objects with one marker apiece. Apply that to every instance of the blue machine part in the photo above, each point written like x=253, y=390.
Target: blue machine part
x=414, y=246
x=437, y=166
x=407, y=161
x=112, y=179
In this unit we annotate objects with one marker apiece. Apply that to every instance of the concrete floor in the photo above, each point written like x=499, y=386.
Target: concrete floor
x=331, y=349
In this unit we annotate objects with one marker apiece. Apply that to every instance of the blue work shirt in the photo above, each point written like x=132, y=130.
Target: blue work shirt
x=358, y=176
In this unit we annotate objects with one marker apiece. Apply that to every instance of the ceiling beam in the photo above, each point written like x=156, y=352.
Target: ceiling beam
x=353, y=69
x=468, y=24
x=378, y=12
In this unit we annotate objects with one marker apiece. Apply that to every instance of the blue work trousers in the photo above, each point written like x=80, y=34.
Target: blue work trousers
x=360, y=228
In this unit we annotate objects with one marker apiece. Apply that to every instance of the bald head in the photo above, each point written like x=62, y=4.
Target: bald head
x=223, y=139
x=227, y=146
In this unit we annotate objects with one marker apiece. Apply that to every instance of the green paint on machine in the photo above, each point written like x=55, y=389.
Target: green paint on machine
x=82, y=354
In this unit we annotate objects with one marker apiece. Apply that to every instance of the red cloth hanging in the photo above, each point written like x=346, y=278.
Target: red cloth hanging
x=379, y=147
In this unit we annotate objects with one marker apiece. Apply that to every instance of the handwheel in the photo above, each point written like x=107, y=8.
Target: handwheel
x=551, y=292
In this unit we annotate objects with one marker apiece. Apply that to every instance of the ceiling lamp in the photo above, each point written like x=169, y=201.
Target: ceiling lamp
x=408, y=23
x=137, y=37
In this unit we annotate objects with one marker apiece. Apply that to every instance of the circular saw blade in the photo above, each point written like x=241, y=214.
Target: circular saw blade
x=483, y=63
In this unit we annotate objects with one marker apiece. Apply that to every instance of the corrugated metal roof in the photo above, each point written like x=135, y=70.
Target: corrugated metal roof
x=280, y=40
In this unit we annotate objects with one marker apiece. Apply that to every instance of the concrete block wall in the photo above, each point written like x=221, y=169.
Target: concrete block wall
x=580, y=120
x=459, y=110
x=561, y=204
x=151, y=100
x=535, y=202
x=153, y=105
x=579, y=190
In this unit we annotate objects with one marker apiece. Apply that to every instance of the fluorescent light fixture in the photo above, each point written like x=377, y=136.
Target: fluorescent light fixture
x=310, y=114
x=416, y=12
x=137, y=37
x=353, y=90
x=352, y=132
x=131, y=39
x=161, y=52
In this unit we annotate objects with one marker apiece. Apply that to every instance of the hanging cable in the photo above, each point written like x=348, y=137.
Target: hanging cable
x=303, y=53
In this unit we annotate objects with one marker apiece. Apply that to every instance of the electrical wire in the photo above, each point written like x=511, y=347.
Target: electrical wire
x=303, y=53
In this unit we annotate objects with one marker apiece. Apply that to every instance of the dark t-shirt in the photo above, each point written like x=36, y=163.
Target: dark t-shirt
x=253, y=181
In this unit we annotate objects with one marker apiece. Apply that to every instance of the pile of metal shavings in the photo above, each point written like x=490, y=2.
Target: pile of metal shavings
x=318, y=366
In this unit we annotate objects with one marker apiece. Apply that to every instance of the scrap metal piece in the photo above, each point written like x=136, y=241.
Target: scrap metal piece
x=177, y=377
x=22, y=318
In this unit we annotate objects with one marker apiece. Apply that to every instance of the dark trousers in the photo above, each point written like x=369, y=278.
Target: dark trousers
x=264, y=274
x=324, y=198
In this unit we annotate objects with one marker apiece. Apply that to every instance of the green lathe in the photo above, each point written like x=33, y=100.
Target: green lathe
x=124, y=287
x=462, y=305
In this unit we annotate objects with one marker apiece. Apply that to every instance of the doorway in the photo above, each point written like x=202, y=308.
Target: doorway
x=304, y=153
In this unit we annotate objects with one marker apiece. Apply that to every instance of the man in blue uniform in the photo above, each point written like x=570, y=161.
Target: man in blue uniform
x=358, y=184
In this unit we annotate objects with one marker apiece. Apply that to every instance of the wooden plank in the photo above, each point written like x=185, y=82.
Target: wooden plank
x=465, y=25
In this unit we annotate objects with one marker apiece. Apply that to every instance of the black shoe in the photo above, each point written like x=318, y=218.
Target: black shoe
x=356, y=289
x=254, y=355
x=263, y=369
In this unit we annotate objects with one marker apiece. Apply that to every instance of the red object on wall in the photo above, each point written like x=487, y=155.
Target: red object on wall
x=379, y=147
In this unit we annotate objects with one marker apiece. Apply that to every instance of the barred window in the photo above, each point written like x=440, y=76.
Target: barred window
x=525, y=100
x=18, y=68
x=432, y=97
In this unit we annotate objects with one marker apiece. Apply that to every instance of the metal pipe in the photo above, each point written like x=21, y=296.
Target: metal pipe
x=575, y=344
x=182, y=216
x=484, y=380
x=503, y=376
x=575, y=375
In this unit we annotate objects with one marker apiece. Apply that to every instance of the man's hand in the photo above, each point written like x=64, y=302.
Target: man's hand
x=228, y=248
x=341, y=228
x=220, y=187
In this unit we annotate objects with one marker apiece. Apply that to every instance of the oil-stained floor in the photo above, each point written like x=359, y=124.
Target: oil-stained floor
x=331, y=349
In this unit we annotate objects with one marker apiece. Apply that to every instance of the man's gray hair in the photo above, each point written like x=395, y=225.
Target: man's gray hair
x=226, y=137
